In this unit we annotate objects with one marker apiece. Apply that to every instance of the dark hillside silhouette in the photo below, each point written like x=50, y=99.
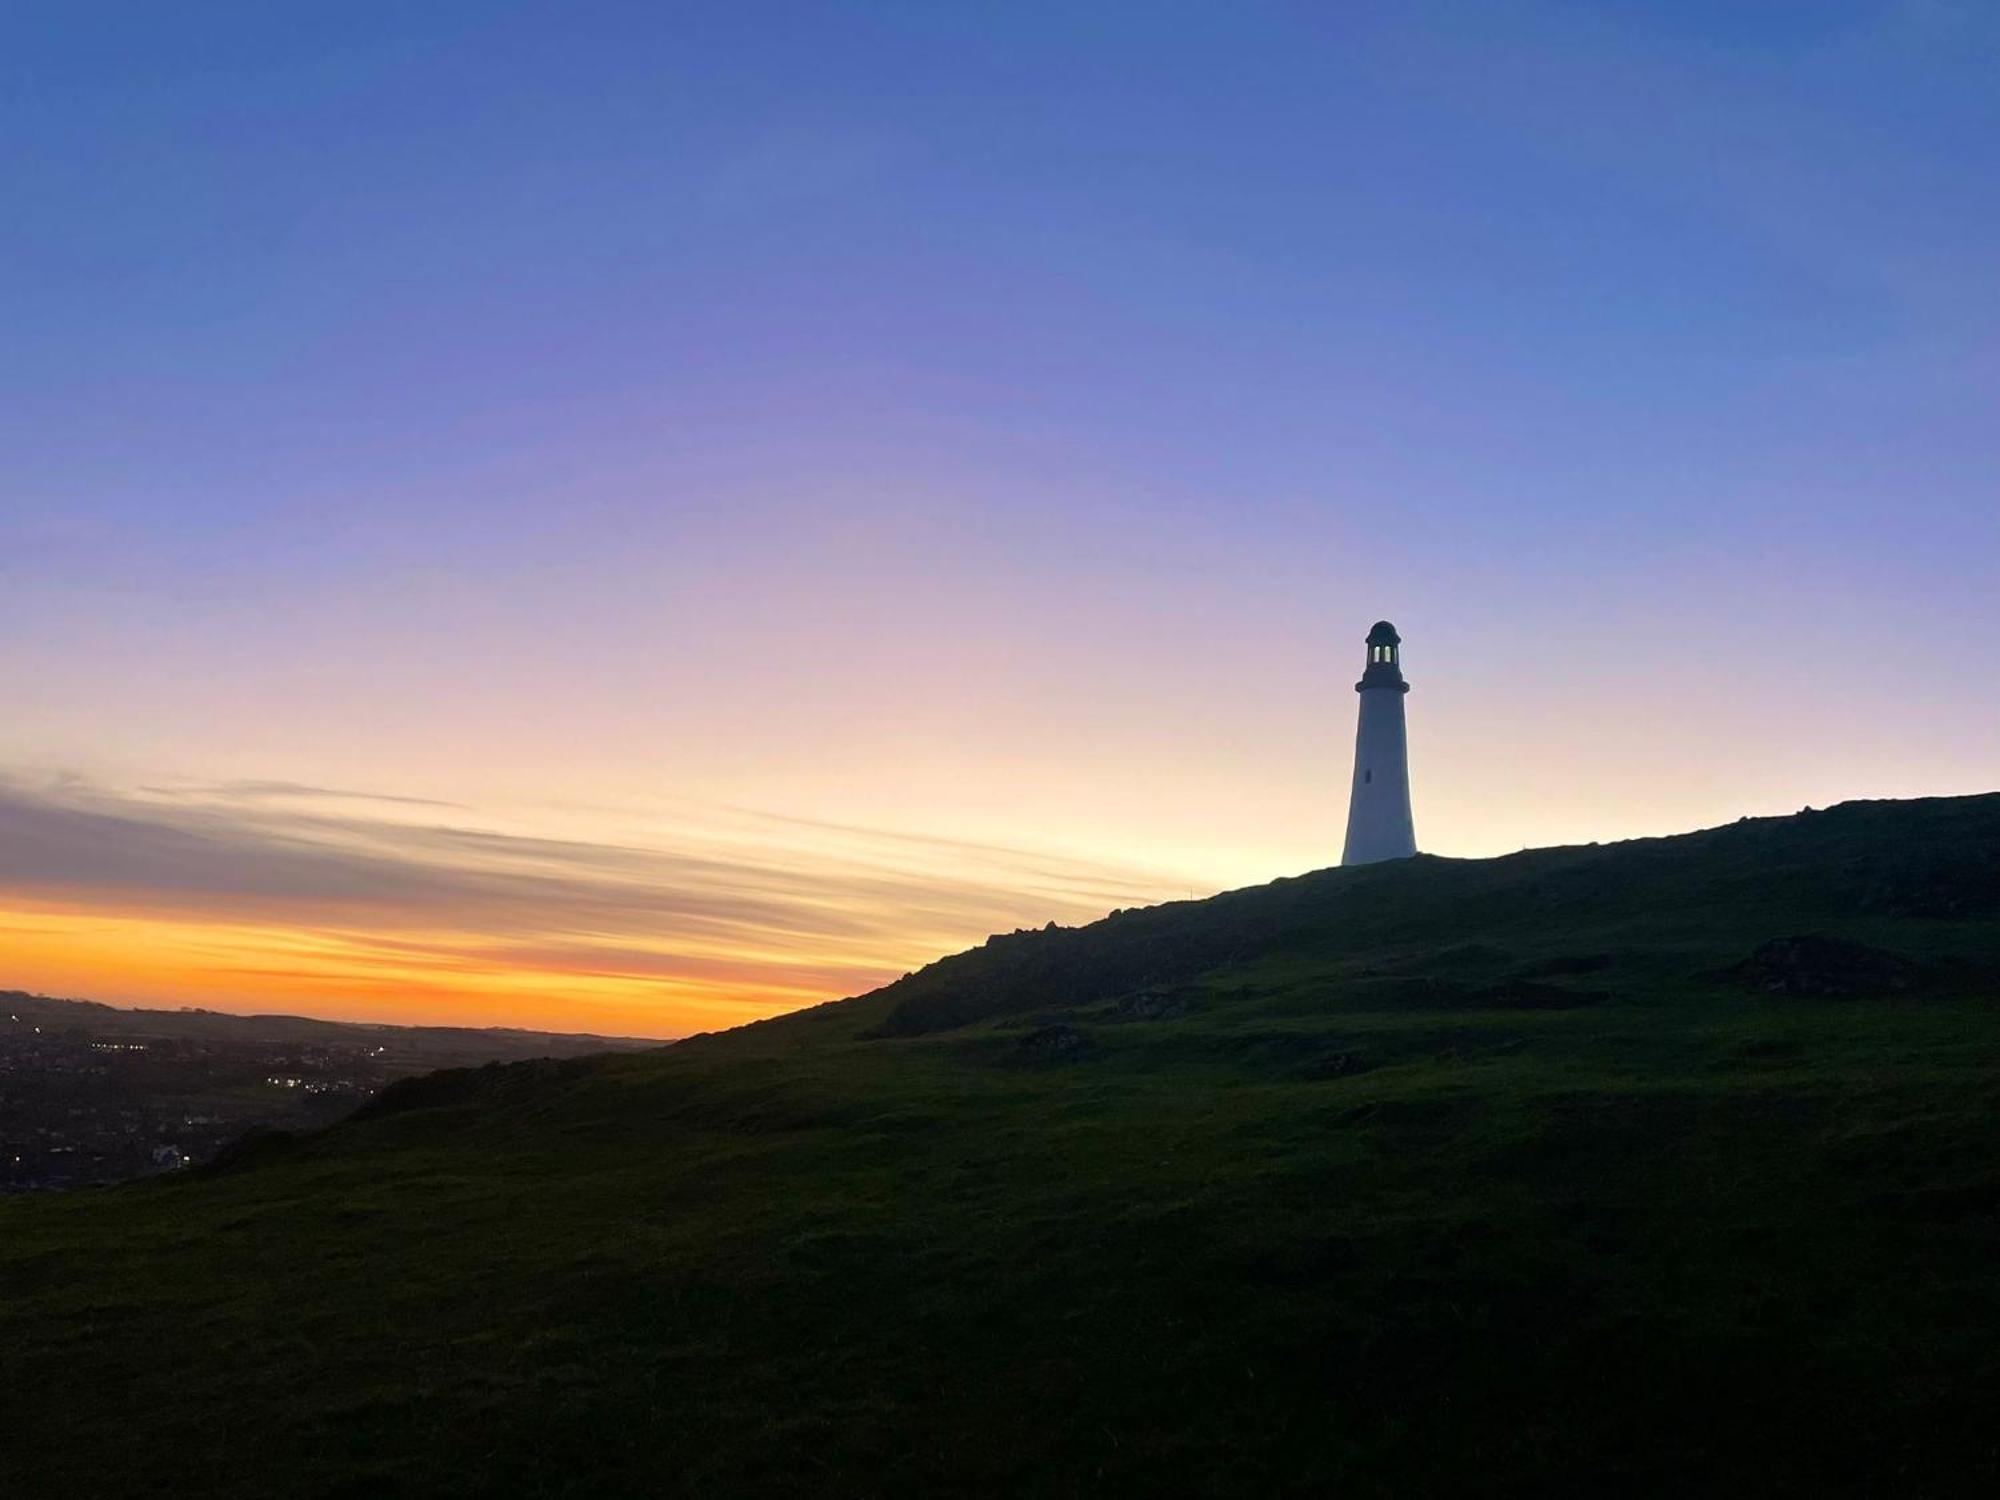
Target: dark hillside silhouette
x=1664, y=1167
x=1859, y=861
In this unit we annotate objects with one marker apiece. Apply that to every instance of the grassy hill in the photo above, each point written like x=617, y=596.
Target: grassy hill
x=1669, y=1166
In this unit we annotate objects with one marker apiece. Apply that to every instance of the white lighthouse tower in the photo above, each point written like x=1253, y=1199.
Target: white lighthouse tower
x=1378, y=809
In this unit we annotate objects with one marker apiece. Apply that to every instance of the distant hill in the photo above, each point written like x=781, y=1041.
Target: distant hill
x=1670, y=1166
x=441, y=1046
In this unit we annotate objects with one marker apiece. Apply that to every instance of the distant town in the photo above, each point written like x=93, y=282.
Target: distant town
x=92, y=1094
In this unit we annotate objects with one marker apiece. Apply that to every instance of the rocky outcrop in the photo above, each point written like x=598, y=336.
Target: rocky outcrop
x=1814, y=965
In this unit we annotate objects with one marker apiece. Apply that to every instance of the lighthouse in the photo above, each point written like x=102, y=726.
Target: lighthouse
x=1378, y=808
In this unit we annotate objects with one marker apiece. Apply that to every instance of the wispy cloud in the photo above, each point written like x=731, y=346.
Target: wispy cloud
x=287, y=791
x=295, y=896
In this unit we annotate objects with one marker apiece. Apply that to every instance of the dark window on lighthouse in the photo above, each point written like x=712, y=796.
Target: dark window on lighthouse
x=1368, y=775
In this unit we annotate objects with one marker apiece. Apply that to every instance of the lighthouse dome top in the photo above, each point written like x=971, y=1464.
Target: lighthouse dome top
x=1384, y=634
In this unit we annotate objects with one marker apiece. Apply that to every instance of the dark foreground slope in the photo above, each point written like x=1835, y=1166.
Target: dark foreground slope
x=1671, y=1166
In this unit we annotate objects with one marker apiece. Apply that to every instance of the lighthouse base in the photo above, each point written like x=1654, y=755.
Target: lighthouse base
x=1379, y=825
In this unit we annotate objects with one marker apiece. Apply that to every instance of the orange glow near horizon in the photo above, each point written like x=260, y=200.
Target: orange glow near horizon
x=233, y=904
x=475, y=875
x=154, y=962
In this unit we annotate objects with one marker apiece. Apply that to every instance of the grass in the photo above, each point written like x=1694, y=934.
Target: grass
x=1313, y=1187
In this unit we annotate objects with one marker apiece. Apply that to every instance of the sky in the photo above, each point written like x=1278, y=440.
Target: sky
x=634, y=517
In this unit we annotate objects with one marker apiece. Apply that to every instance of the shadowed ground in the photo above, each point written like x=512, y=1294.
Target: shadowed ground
x=1667, y=1166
